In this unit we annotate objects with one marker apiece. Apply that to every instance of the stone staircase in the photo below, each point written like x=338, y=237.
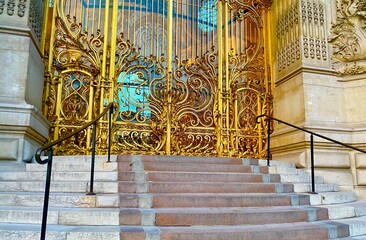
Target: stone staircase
x=162, y=197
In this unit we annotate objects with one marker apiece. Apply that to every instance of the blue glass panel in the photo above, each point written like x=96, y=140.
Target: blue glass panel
x=133, y=95
x=207, y=16
x=76, y=84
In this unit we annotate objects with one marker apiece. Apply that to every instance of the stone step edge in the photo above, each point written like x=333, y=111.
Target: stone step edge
x=156, y=158
x=148, y=217
x=335, y=230
x=357, y=225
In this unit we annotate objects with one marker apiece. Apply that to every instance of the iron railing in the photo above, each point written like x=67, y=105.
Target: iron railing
x=312, y=134
x=49, y=147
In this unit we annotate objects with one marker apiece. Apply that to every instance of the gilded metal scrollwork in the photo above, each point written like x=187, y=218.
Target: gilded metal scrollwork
x=205, y=96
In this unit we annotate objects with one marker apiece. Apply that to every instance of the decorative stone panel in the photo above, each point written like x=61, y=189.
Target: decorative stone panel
x=360, y=159
x=287, y=31
x=313, y=26
x=23, y=13
x=300, y=33
x=36, y=17
x=12, y=7
x=349, y=37
x=9, y=148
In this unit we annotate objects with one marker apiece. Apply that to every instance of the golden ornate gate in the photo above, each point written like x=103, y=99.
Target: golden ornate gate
x=188, y=76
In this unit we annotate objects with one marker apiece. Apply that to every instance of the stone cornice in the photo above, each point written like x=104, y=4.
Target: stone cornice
x=305, y=69
x=22, y=32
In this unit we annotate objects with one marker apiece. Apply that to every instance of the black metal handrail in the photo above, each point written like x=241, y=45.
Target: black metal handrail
x=312, y=134
x=49, y=146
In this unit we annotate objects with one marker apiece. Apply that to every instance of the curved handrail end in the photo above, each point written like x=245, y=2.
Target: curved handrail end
x=260, y=116
x=38, y=155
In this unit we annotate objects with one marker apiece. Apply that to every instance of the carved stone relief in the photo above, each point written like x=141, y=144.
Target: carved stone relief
x=36, y=17
x=348, y=37
x=312, y=15
x=21, y=7
x=287, y=30
x=10, y=7
x=2, y=4
x=300, y=30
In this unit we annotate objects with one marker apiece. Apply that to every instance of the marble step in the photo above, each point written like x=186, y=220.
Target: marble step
x=319, y=187
x=61, y=216
x=60, y=166
x=236, y=216
x=357, y=225
x=204, y=187
x=58, y=186
x=10, y=231
x=275, y=163
x=206, y=177
x=152, y=187
x=162, y=159
x=148, y=176
x=332, y=198
x=198, y=167
x=346, y=210
x=298, y=231
x=76, y=166
x=59, y=199
x=287, y=170
x=57, y=175
x=85, y=158
x=184, y=200
x=161, y=216
x=300, y=178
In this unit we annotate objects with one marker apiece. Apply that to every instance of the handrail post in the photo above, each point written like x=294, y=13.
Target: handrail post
x=312, y=164
x=46, y=195
x=268, y=140
x=91, y=190
x=109, y=132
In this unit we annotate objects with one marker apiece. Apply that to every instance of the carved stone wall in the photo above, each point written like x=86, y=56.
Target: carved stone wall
x=12, y=7
x=22, y=127
x=300, y=29
x=288, y=37
x=349, y=37
x=320, y=66
x=24, y=14
x=36, y=17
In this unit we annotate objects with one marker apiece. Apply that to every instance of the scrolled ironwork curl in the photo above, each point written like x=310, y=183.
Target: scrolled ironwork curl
x=38, y=157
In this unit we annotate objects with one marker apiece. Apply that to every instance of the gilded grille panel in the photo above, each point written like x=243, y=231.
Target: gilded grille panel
x=188, y=77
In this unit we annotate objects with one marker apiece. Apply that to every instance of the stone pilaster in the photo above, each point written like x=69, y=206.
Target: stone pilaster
x=22, y=127
x=319, y=62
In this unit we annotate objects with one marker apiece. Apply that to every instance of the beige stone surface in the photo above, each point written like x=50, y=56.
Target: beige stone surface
x=328, y=159
x=21, y=90
x=361, y=177
x=289, y=100
x=9, y=148
x=342, y=177
x=323, y=98
x=15, y=19
x=360, y=159
x=297, y=157
x=355, y=99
